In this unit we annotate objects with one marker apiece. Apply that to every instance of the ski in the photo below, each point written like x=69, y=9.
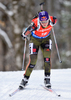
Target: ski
x=14, y=92
x=51, y=90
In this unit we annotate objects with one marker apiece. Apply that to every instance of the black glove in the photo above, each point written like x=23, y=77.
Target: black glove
x=23, y=36
x=54, y=21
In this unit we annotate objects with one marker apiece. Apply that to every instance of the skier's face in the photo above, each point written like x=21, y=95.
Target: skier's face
x=44, y=23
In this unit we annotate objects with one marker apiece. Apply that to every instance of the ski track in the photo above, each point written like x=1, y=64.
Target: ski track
x=60, y=80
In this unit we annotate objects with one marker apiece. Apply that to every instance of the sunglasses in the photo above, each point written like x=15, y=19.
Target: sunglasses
x=44, y=21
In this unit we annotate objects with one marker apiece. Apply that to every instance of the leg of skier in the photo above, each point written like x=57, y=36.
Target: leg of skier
x=46, y=49
x=32, y=61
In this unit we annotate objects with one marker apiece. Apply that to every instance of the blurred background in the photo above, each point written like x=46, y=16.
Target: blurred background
x=16, y=15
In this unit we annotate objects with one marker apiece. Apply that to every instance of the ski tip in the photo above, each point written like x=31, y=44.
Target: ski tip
x=59, y=95
x=9, y=95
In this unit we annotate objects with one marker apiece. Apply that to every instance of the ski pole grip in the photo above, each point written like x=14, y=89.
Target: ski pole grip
x=24, y=37
x=42, y=3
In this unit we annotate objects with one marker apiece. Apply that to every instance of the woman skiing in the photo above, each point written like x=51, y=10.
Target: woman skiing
x=40, y=29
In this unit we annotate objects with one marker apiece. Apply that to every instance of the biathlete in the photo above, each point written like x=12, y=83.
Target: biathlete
x=40, y=30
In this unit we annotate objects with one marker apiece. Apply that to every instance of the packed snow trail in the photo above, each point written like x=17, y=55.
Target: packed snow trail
x=60, y=80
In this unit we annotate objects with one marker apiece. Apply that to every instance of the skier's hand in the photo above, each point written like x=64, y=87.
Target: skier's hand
x=51, y=23
x=23, y=36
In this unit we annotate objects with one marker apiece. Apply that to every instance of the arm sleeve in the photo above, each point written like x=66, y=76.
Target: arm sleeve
x=31, y=27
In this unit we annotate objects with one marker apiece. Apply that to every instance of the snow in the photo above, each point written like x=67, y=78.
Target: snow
x=10, y=13
x=2, y=6
x=67, y=3
x=60, y=80
x=4, y=34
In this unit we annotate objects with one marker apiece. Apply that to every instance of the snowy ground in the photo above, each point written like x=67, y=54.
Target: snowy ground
x=60, y=80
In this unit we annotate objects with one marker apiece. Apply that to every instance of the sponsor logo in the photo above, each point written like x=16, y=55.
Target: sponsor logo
x=34, y=50
x=43, y=18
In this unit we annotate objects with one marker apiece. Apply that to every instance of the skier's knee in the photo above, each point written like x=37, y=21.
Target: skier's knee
x=31, y=66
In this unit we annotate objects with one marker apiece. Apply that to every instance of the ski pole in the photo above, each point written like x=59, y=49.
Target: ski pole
x=56, y=45
x=24, y=55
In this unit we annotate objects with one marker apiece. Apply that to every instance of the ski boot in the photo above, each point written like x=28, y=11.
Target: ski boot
x=23, y=83
x=47, y=82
